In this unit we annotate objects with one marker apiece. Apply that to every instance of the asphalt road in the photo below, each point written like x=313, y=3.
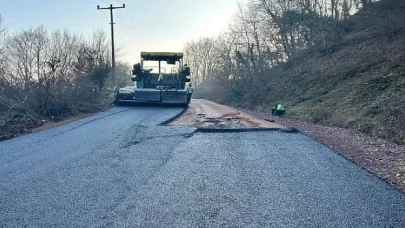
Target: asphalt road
x=120, y=169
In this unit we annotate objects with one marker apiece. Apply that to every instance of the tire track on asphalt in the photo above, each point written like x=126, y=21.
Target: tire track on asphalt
x=122, y=170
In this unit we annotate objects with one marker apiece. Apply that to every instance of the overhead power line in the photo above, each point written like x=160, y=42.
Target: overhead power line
x=111, y=8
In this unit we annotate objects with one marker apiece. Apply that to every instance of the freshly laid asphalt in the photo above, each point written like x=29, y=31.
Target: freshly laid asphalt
x=121, y=168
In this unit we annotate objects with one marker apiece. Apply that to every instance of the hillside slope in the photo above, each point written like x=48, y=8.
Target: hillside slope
x=357, y=83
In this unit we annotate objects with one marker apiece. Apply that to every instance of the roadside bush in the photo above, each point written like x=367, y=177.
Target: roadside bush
x=50, y=75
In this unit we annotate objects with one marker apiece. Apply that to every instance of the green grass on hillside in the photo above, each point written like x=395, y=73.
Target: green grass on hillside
x=358, y=83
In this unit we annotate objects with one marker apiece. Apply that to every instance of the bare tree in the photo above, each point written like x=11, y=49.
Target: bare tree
x=265, y=33
x=202, y=56
x=2, y=55
x=26, y=54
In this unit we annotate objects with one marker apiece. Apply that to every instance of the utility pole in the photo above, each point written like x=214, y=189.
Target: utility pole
x=111, y=8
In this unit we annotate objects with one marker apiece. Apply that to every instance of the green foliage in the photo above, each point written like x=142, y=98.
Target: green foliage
x=400, y=140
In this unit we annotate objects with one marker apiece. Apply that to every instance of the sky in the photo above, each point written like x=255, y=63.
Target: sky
x=144, y=25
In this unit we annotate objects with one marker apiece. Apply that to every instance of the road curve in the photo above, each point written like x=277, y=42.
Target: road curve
x=120, y=168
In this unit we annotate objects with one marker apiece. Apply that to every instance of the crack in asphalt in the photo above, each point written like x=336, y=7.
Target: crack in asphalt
x=140, y=140
x=136, y=172
x=137, y=126
x=130, y=139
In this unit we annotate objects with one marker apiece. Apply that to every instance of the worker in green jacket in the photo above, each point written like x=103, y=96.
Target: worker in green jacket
x=189, y=87
x=278, y=110
x=186, y=67
x=161, y=77
x=139, y=84
x=186, y=70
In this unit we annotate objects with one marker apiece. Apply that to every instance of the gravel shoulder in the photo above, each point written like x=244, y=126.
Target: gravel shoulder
x=383, y=158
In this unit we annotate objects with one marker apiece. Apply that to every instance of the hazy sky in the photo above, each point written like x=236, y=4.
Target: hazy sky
x=144, y=25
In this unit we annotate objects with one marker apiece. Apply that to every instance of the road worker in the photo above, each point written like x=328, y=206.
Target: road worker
x=161, y=77
x=189, y=88
x=138, y=84
x=278, y=110
x=186, y=68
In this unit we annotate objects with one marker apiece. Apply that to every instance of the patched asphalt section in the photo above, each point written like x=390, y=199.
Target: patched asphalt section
x=245, y=129
x=234, y=129
x=123, y=168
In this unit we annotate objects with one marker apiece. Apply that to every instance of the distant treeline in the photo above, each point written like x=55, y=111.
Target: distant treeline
x=265, y=33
